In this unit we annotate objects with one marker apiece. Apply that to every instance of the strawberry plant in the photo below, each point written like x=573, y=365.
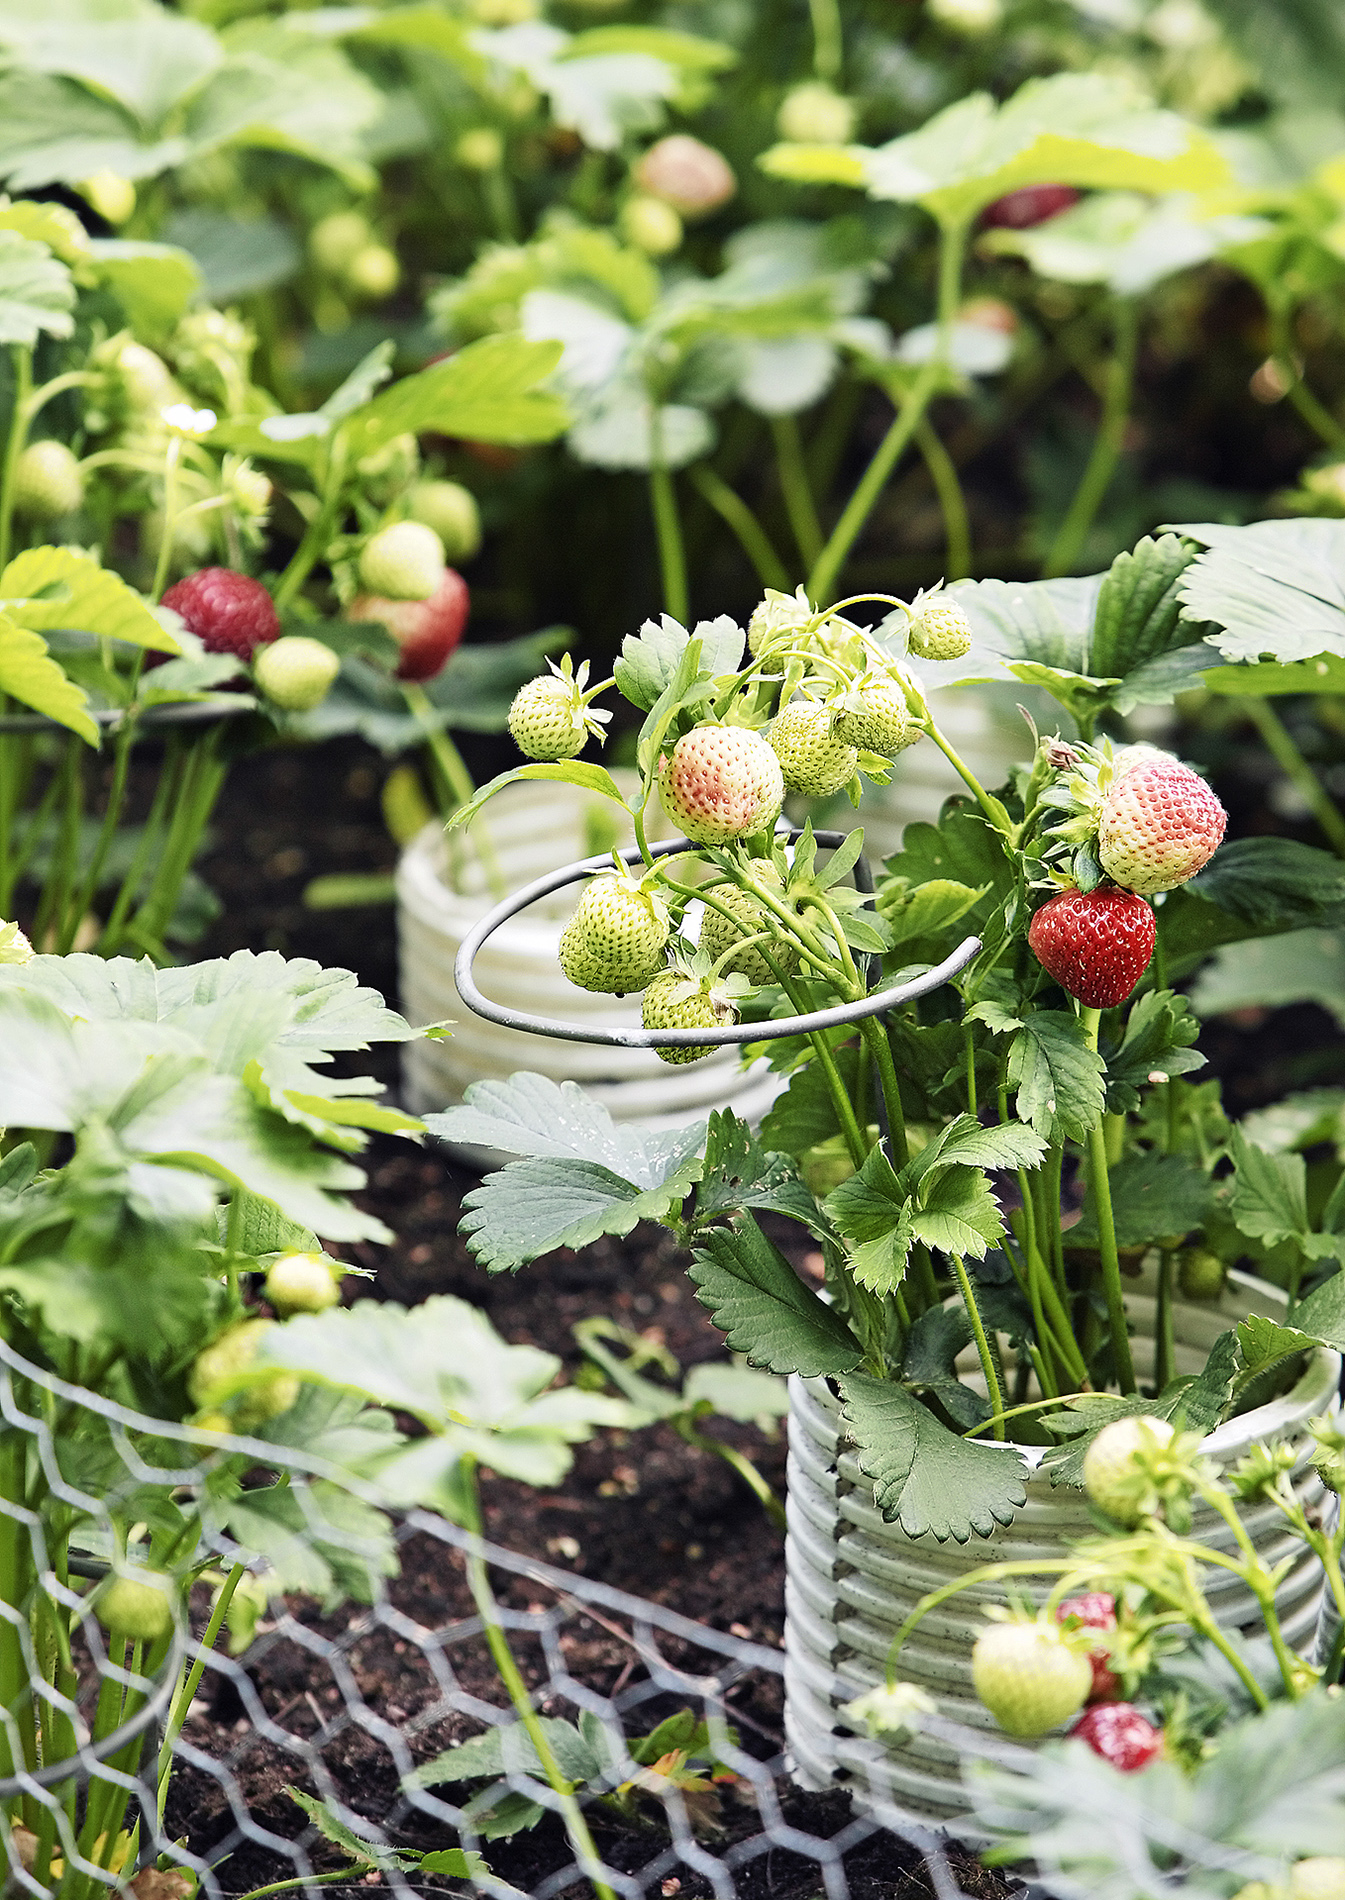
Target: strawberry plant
x=1054, y=1064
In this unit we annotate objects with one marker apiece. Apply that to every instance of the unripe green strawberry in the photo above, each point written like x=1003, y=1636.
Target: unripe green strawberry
x=145, y=380
x=1159, y=824
x=1200, y=1274
x=1320, y=1877
x=295, y=672
x=373, y=273
x=813, y=114
x=650, y=225
x=404, y=561
x=111, y=195
x=717, y=933
x=137, y=1604
x=615, y=940
x=48, y=482
x=720, y=783
x=451, y=510
x=775, y=617
x=940, y=630
x=546, y=719
x=875, y=716
x=211, y=1380
x=480, y=150
x=1030, y=1676
x=336, y=239
x=813, y=757
x=301, y=1283
x=1109, y=1464
x=674, y=1001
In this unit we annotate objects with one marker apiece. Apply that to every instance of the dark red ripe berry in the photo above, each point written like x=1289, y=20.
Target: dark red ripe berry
x=228, y=612
x=1094, y=1610
x=426, y=630
x=1033, y=204
x=1096, y=944
x=1120, y=1734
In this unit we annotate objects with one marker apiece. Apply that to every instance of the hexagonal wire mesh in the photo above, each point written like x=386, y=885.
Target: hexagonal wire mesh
x=306, y=1704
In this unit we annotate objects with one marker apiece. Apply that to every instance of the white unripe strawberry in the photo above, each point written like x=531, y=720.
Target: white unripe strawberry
x=301, y=1283
x=775, y=617
x=813, y=114
x=720, y=783
x=337, y=238
x=48, y=482
x=211, y=1381
x=1109, y=1463
x=137, y=1604
x=614, y=942
x=650, y=224
x=940, y=630
x=296, y=672
x=813, y=757
x=373, y=273
x=451, y=510
x=876, y=717
x=404, y=561
x=1030, y=1676
x=546, y=719
x=675, y=1001
x=718, y=934
x=480, y=150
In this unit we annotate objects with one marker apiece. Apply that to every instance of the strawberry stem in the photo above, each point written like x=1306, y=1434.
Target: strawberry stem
x=1106, y=1227
x=983, y=1352
x=1295, y=767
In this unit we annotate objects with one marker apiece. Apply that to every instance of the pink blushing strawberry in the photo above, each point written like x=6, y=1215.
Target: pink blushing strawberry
x=227, y=611
x=1120, y=1734
x=1096, y=944
x=426, y=630
x=1159, y=824
x=720, y=783
x=1030, y=205
x=1094, y=1610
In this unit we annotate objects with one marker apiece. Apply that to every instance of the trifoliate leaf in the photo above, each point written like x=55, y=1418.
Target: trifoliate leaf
x=925, y=1477
x=1304, y=966
x=764, y=1310
x=873, y=1210
x=1157, y=1042
x=487, y=392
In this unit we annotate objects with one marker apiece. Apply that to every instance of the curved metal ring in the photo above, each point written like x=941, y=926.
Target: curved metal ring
x=507, y=1018
x=183, y=712
x=92, y=1755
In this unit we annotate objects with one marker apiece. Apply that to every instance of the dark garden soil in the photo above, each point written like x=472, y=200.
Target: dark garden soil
x=645, y=1513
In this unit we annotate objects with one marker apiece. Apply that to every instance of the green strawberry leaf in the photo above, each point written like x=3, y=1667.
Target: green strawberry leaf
x=805, y=1114
x=958, y=1214
x=1322, y=1313
x=925, y=1477
x=37, y=291
x=1153, y=1196
x=874, y=1212
x=1139, y=606
x=1206, y=1399
x=29, y=674
x=589, y=778
x=153, y=283
x=929, y=1366
x=1157, y=1041
x=764, y=1310
x=1269, y=1201
x=1305, y=966
x=508, y=1750
x=487, y=392
x=1057, y=1077
x=1274, y=590
x=473, y=693
x=739, y=1173
x=1081, y=1419
x=48, y=588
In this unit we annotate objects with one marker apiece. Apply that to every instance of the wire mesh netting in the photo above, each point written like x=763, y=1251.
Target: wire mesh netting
x=326, y=1739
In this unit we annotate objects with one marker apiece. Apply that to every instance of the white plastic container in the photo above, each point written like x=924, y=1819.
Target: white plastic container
x=852, y=1579
x=442, y=891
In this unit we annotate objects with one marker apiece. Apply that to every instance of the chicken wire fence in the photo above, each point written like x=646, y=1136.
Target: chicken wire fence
x=295, y=1709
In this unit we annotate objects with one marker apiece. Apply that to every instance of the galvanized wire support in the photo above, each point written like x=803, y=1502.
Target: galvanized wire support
x=887, y=997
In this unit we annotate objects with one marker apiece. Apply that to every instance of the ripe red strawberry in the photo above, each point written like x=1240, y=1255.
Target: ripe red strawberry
x=1094, y=1610
x=426, y=630
x=1031, y=204
x=227, y=611
x=1160, y=823
x=720, y=783
x=1120, y=1734
x=1096, y=944
x=1029, y=1675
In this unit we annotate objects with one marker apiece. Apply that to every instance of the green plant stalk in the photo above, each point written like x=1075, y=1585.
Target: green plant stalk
x=826, y=569
x=317, y=535
x=15, y=1578
x=1032, y=1259
x=828, y=41
x=15, y=860
x=116, y=799
x=744, y=1467
x=1258, y=1580
x=880, y=1048
x=350, y=1874
x=65, y=849
x=668, y=529
x=500, y=202
x=200, y=786
x=1165, y=1344
x=186, y=1694
x=171, y=461
x=952, y=502
x=1278, y=742
x=1107, y=445
x=1051, y=1196
x=1106, y=1227
x=796, y=488
x=478, y=1579
x=968, y=777
x=458, y=785
x=1314, y=412
x=983, y=1351
x=730, y=506
x=165, y=791
x=21, y=357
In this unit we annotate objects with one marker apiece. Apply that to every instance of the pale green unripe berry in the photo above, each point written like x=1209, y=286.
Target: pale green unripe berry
x=812, y=114
x=1109, y=1461
x=301, y=1283
x=403, y=562
x=373, y=273
x=48, y=482
x=137, y=1604
x=296, y=672
x=1200, y=1274
x=480, y=150
x=232, y=1354
x=336, y=239
x=650, y=224
x=145, y=379
x=451, y=510
x=971, y=18
x=111, y=195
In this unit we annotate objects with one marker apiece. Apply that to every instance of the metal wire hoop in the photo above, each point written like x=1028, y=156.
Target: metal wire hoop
x=872, y=1005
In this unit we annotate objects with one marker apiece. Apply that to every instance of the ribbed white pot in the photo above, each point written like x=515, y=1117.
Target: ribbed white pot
x=852, y=1579
x=442, y=891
